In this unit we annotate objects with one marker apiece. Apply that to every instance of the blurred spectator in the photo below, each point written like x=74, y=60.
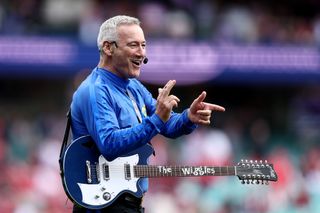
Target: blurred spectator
x=205, y=17
x=153, y=18
x=1, y=17
x=90, y=22
x=213, y=146
x=316, y=30
x=260, y=136
x=181, y=19
x=20, y=17
x=305, y=116
x=238, y=25
x=58, y=14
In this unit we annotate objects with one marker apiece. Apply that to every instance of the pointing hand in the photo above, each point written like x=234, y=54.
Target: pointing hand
x=200, y=112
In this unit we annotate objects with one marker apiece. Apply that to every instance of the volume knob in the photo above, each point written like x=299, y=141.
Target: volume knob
x=106, y=196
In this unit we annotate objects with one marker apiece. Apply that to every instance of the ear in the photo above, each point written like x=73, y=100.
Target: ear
x=107, y=48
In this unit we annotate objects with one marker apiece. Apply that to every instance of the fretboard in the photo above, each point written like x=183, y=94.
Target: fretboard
x=183, y=171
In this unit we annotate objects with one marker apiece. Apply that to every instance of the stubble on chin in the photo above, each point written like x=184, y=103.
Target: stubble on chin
x=134, y=73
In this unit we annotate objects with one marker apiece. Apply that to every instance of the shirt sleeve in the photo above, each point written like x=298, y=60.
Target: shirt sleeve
x=104, y=128
x=179, y=124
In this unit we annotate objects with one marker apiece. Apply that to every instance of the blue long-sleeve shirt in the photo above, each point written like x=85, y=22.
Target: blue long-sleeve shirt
x=102, y=109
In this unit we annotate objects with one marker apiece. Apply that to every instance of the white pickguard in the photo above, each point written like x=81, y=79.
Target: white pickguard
x=92, y=194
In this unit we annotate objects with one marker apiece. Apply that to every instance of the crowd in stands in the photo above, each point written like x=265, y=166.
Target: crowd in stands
x=280, y=22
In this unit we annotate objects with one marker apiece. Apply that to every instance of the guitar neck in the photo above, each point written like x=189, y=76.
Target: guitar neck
x=183, y=171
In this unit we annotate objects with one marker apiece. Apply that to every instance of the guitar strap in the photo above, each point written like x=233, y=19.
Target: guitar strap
x=64, y=143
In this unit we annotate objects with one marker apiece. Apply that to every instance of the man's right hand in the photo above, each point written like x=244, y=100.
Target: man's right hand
x=165, y=101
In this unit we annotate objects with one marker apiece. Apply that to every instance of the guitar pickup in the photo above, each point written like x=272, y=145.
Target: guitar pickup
x=97, y=172
x=106, y=174
x=127, y=171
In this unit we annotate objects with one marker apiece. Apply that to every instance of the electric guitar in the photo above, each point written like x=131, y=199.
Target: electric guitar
x=94, y=183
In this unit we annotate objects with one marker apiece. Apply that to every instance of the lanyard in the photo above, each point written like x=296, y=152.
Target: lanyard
x=135, y=106
x=136, y=109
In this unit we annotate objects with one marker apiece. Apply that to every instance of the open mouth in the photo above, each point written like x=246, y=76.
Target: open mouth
x=136, y=62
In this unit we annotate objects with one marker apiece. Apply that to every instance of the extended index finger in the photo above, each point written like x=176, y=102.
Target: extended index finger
x=214, y=107
x=167, y=88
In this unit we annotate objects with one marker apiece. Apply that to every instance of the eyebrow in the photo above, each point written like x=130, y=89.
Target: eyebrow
x=136, y=42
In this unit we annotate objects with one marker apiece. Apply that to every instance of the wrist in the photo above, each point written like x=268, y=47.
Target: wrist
x=188, y=117
x=188, y=114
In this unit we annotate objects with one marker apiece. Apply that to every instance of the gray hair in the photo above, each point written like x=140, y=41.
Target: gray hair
x=108, y=30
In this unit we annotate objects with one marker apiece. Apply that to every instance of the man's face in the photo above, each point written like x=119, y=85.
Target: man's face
x=128, y=56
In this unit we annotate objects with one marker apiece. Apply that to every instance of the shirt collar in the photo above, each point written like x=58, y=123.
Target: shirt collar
x=116, y=80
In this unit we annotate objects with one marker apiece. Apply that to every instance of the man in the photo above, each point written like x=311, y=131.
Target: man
x=118, y=112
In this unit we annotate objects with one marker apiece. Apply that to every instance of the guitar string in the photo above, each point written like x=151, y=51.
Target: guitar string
x=141, y=169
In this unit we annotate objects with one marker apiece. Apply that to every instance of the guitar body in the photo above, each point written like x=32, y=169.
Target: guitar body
x=93, y=182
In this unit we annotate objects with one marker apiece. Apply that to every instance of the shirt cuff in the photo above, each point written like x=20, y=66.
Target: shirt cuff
x=157, y=122
x=187, y=122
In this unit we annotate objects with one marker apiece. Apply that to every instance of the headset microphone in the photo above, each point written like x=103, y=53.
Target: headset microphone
x=145, y=60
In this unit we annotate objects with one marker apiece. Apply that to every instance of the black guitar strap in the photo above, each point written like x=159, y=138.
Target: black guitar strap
x=64, y=142
x=63, y=150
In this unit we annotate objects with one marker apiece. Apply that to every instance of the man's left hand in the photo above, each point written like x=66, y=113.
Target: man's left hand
x=200, y=112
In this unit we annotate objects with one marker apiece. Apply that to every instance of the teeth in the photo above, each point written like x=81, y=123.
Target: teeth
x=137, y=62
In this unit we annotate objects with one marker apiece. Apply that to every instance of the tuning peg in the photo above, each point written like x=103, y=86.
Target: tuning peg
x=267, y=182
x=242, y=162
x=258, y=182
x=243, y=182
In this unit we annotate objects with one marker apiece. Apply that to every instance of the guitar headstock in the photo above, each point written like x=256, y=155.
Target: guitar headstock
x=255, y=172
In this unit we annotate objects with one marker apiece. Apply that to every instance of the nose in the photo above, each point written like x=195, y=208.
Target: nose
x=141, y=51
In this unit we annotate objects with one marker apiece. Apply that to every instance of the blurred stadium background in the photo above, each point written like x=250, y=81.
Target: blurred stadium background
x=259, y=59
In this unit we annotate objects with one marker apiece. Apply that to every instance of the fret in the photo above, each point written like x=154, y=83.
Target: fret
x=223, y=171
x=182, y=171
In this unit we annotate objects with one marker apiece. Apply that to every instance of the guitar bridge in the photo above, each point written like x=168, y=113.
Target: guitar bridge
x=88, y=166
x=92, y=172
